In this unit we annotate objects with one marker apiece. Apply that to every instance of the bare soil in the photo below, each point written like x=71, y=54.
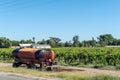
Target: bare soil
x=5, y=64
x=90, y=71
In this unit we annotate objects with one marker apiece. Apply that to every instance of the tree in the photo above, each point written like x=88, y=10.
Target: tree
x=61, y=44
x=22, y=41
x=57, y=40
x=51, y=42
x=93, y=42
x=86, y=43
x=15, y=43
x=117, y=42
x=106, y=39
x=54, y=41
x=42, y=42
x=29, y=41
x=76, y=42
x=26, y=41
x=5, y=42
x=68, y=44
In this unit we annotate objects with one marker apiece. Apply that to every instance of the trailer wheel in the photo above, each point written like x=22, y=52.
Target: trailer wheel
x=49, y=68
x=32, y=66
x=15, y=64
x=28, y=65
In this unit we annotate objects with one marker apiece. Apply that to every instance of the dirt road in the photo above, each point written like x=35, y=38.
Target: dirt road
x=17, y=76
x=7, y=77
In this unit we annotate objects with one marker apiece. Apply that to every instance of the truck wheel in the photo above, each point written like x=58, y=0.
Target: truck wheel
x=15, y=65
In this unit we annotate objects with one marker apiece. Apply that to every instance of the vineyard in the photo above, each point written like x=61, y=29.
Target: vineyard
x=104, y=55
x=6, y=54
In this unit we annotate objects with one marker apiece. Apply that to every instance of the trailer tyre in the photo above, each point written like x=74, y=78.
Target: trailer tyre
x=32, y=66
x=49, y=68
x=16, y=65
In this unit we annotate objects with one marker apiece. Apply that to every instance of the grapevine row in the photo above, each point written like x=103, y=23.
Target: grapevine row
x=104, y=55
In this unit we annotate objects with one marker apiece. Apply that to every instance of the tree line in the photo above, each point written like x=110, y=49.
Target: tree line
x=101, y=41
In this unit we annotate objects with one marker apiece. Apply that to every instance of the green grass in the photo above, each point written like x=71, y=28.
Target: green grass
x=104, y=77
x=64, y=75
x=24, y=70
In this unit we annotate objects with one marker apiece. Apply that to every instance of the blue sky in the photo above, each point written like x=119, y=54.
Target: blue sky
x=23, y=19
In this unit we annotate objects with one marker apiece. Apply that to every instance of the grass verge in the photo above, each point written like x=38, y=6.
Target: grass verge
x=63, y=75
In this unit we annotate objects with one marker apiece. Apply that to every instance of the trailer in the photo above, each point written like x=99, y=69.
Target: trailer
x=34, y=58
